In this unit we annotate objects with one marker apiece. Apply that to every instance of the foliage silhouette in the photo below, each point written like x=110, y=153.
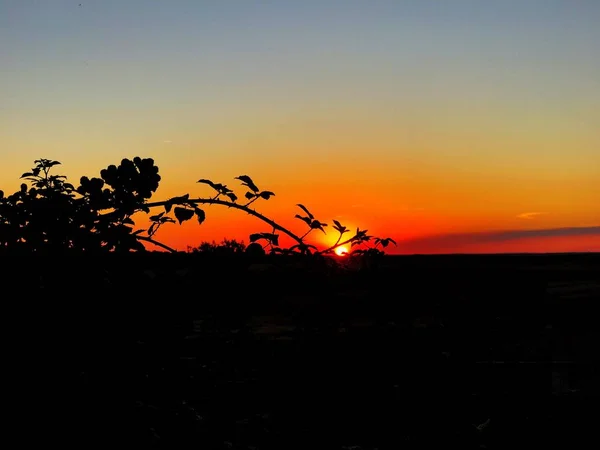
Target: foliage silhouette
x=225, y=247
x=52, y=215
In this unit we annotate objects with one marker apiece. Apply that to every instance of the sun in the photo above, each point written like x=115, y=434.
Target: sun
x=341, y=251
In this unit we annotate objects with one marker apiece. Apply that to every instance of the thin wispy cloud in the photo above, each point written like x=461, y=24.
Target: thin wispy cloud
x=458, y=241
x=167, y=141
x=530, y=215
x=509, y=235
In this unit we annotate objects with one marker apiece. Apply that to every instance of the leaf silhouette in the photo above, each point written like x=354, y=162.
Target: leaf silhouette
x=339, y=227
x=180, y=199
x=385, y=241
x=205, y=181
x=157, y=217
x=183, y=214
x=270, y=237
x=232, y=196
x=250, y=195
x=247, y=181
x=266, y=194
x=316, y=225
x=306, y=220
x=361, y=235
x=221, y=188
x=168, y=207
x=310, y=216
x=200, y=214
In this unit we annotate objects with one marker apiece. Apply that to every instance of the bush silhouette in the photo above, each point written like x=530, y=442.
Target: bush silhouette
x=50, y=215
x=255, y=249
x=225, y=247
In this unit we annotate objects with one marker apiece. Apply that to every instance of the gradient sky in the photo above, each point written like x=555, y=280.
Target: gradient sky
x=442, y=124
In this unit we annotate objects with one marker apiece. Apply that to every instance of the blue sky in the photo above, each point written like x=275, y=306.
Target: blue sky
x=184, y=49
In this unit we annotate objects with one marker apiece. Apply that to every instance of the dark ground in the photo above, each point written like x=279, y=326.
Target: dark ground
x=171, y=351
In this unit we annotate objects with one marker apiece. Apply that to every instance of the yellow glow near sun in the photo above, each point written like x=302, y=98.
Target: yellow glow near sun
x=341, y=251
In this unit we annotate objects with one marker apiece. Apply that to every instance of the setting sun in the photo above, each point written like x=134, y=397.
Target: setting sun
x=341, y=251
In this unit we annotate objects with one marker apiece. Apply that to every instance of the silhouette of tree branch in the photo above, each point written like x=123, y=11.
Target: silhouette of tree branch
x=53, y=214
x=212, y=201
x=157, y=243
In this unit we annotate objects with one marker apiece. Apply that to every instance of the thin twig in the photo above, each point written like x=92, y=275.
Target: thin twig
x=327, y=250
x=158, y=244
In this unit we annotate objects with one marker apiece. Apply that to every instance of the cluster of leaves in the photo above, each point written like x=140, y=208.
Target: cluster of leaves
x=51, y=214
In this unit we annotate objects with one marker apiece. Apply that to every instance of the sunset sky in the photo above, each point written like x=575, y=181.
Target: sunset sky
x=450, y=126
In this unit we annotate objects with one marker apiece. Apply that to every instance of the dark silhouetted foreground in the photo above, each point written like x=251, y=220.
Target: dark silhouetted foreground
x=195, y=351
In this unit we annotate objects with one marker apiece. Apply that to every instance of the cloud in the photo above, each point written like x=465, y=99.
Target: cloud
x=457, y=241
x=166, y=141
x=529, y=215
x=500, y=236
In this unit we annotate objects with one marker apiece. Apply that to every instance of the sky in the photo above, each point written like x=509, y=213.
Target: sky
x=450, y=126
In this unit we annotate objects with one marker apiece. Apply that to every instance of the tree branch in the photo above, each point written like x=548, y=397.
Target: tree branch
x=158, y=244
x=212, y=201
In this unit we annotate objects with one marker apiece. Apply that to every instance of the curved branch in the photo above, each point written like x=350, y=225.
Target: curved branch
x=212, y=201
x=158, y=244
x=338, y=244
